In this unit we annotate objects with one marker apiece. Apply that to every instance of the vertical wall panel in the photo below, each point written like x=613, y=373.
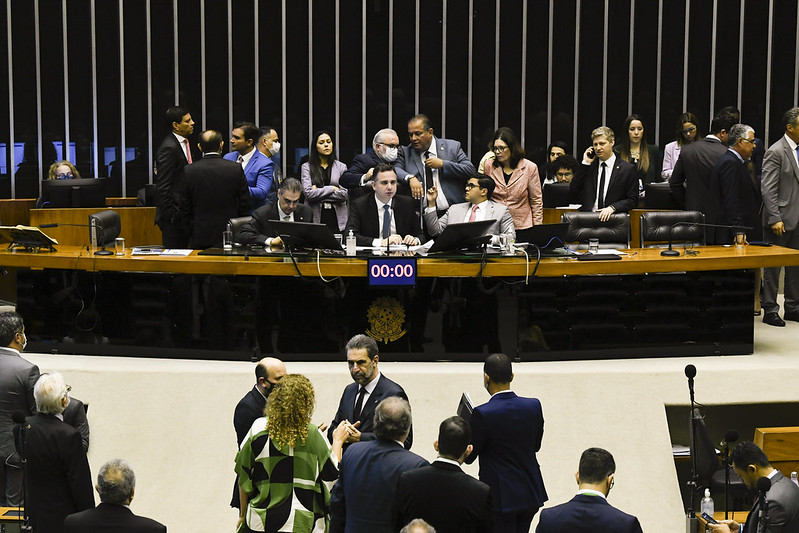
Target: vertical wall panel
x=538, y=66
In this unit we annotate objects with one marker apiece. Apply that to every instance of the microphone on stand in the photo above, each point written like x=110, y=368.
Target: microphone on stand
x=690, y=373
x=674, y=253
x=763, y=486
x=729, y=437
x=94, y=235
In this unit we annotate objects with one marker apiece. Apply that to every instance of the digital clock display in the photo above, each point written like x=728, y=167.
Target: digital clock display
x=392, y=271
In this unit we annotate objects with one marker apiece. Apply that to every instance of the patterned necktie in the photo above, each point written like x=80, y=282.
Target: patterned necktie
x=240, y=160
x=188, y=152
x=601, y=198
x=386, y=221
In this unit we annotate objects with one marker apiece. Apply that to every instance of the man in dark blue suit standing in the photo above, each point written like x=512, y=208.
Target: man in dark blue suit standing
x=589, y=510
x=258, y=169
x=369, y=472
x=506, y=434
x=359, y=400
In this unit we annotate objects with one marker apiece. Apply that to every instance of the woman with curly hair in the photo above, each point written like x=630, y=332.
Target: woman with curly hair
x=286, y=467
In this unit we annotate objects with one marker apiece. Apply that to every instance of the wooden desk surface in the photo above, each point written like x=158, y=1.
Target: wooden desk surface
x=639, y=262
x=138, y=224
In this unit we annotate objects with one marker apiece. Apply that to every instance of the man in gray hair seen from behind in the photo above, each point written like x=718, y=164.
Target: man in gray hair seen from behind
x=116, y=484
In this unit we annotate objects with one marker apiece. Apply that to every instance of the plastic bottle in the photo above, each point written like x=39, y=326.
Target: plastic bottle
x=351, y=244
x=794, y=478
x=707, y=505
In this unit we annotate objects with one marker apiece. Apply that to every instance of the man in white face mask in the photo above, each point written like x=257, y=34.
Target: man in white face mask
x=358, y=177
x=269, y=145
x=17, y=378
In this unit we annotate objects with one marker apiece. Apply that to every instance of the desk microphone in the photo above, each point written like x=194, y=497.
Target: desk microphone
x=93, y=233
x=674, y=253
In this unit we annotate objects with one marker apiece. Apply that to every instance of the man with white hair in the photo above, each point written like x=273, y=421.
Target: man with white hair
x=59, y=480
x=385, y=149
x=116, y=484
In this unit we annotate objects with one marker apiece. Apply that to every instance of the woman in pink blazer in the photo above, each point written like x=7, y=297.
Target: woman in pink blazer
x=518, y=185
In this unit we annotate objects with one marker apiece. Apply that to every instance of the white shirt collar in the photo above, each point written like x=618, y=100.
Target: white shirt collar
x=381, y=204
x=591, y=492
x=181, y=139
x=283, y=215
x=372, y=384
x=500, y=392
x=740, y=158
x=611, y=161
x=246, y=157
x=440, y=459
x=790, y=142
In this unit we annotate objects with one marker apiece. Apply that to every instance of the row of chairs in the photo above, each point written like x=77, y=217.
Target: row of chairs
x=657, y=229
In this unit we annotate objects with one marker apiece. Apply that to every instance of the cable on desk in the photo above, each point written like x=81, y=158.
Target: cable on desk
x=294, y=261
x=319, y=268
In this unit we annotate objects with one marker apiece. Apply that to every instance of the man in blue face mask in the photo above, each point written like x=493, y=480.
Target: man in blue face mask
x=358, y=177
x=17, y=378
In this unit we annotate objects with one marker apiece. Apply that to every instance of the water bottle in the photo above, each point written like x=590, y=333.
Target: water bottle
x=707, y=504
x=794, y=479
x=351, y=244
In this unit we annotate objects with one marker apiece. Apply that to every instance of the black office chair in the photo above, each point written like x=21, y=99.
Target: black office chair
x=612, y=234
x=556, y=195
x=236, y=224
x=657, y=230
x=658, y=196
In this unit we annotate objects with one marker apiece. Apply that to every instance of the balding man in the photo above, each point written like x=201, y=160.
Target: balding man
x=268, y=372
x=357, y=178
x=116, y=485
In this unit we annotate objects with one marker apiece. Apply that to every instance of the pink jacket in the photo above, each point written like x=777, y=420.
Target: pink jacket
x=522, y=194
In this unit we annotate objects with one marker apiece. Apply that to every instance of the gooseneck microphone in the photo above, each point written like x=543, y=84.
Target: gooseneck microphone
x=763, y=486
x=674, y=253
x=729, y=437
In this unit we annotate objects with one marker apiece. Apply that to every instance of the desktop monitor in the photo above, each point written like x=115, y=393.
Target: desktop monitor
x=88, y=192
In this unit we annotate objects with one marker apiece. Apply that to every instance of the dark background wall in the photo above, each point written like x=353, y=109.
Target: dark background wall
x=100, y=73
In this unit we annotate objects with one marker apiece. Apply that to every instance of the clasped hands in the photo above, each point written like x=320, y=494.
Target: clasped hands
x=349, y=431
x=409, y=240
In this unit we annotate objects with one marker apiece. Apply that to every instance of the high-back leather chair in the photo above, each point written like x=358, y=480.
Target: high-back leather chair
x=657, y=228
x=612, y=234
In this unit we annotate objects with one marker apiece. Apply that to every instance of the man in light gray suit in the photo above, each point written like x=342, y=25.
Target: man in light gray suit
x=17, y=378
x=780, y=188
x=429, y=161
x=478, y=206
x=782, y=512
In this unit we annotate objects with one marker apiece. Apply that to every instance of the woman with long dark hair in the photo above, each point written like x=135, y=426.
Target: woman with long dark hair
x=634, y=149
x=518, y=185
x=320, y=182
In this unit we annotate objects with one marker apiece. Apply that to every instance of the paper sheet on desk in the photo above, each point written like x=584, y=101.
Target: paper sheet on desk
x=395, y=248
x=605, y=251
x=177, y=251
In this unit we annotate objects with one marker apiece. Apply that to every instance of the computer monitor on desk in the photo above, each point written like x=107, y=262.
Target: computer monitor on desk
x=74, y=193
x=306, y=235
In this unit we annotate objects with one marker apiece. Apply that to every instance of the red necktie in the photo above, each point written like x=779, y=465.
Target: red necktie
x=188, y=152
x=474, y=214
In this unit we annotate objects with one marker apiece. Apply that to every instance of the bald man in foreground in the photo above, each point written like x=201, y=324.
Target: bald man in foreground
x=268, y=372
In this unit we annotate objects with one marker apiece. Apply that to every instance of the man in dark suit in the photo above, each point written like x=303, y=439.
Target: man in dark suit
x=780, y=188
x=506, y=434
x=604, y=182
x=214, y=191
x=75, y=416
x=288, y=207
x=258, y=168
x=690, y=181
x=589, y=511
x=738, y=191
x=17, y=378
x=442, y=494
x=172, y=156
x=385, y=149
x=358, y=402
x=268, y=372
x=383, y=217
x=116, y=484
x=429, y=161
x=368, y=473
x=59, y=480
x=749, y=462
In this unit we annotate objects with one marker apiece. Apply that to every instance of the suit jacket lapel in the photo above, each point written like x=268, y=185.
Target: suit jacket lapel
x=791, y=155
x=368, y=409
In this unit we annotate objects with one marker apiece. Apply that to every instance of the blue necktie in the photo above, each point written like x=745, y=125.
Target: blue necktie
x=386, y=221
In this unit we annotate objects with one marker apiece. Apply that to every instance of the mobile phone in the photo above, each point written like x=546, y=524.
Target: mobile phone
x=709, y=519
x=591, y=153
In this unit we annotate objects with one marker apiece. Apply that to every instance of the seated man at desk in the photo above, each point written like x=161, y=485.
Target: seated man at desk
x=478, y=206
x=288, y=208
x=383, y=217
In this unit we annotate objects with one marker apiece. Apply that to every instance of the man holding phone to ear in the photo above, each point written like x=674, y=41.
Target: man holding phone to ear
x=604, y=182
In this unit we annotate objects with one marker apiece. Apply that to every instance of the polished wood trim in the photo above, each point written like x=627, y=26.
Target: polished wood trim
x=639, y=261
x=138, y=225
x=14, y=212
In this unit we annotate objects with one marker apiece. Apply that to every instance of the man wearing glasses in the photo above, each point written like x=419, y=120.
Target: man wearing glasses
x=357, y=179
x=432, y=162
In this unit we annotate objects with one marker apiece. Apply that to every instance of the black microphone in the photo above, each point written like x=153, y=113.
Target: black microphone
x=18, y=417
x=57, y=224
x=763, y=485
x=674, y=253
x=729, y=437
x=690, y=372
